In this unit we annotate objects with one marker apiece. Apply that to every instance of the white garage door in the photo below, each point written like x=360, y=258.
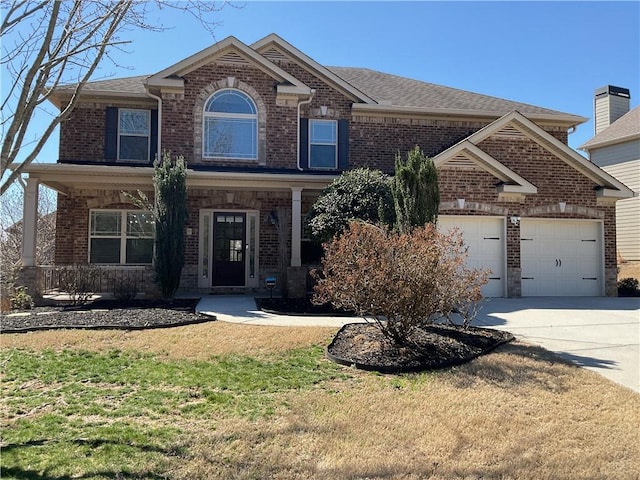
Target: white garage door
x=485, y=237
x=561, y=257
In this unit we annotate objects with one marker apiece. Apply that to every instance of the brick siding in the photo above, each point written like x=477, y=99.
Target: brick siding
x=373, y=142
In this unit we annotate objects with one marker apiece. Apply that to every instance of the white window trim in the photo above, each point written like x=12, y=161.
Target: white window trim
x=235, y=116
x=123, y=235
x=335, y=144
x=148, y=112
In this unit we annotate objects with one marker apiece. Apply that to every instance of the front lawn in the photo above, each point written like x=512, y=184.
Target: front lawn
x=230, y=401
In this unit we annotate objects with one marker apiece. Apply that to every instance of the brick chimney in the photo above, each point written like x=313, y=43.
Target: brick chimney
x=610, y=103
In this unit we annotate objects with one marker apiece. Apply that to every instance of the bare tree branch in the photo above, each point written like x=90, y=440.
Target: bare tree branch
x=49, y=44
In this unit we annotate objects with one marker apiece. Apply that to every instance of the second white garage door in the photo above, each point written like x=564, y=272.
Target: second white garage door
x=561, y=257
x=485, y=237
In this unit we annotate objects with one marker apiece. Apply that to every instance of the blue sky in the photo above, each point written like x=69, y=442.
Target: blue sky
x=551, y=54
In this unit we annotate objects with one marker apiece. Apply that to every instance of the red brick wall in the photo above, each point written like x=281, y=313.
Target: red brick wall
x=373, y=142
x=82, y=133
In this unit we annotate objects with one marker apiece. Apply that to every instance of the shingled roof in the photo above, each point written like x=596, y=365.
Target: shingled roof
x=386, y=89
x=122, y=85
x=625, y=128
x=399, y=91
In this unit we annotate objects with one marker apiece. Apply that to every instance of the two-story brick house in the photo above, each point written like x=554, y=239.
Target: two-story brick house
x=264, y=128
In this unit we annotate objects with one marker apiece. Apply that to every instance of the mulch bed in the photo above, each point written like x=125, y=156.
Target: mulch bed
x=106, y=314
x=298, y=306
x=363, y=346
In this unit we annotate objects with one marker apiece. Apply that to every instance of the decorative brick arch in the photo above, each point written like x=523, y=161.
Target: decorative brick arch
x=198, y=115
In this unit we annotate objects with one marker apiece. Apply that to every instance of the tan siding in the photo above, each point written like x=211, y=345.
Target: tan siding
x=628, y=173
x=628, y=211
x=614, y=154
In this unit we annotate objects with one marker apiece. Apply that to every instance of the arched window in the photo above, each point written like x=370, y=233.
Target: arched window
x=230, y=126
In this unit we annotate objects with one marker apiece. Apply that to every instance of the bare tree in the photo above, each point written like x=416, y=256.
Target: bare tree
x=11, y=231
x=46, y=44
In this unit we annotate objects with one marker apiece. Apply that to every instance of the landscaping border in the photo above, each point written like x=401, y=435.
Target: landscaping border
x=409, y=369
x=183, y=323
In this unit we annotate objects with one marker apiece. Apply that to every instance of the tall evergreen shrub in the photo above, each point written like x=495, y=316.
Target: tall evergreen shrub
x=170, y=213
x=416, y=195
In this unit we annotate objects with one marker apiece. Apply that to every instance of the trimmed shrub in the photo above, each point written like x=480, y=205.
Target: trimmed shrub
x=628, y=287
x=401, y=281
x=359, y=194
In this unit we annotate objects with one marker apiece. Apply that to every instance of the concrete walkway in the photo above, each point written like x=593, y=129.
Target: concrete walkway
x=242, y=309
x=598, y=333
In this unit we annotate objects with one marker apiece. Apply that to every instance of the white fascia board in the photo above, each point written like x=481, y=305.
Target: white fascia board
x=486, y=160
x=617, y=194
x=293, y=90
x=538, y=135
x=524, y=189
x=97, y=95
x=310, y=62
x=66, y=175
x=382, y=109
x=177, y=83
x=195, y=61
x=587, y=147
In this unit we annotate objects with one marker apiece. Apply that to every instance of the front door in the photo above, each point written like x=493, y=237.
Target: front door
x=229, y=254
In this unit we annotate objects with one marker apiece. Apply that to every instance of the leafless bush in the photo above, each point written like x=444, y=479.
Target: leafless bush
x=123, y=288
x=401, y=281
x=79, y=282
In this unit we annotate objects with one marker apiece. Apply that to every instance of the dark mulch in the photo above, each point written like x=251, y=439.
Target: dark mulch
x=298, y=306
x=437, y=346
x=106, y=314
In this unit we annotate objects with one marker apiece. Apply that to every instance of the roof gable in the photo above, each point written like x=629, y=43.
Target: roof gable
x=517, y=122
x=275, y=48
x=465, y=154
x=624, y=129
x=232, y=50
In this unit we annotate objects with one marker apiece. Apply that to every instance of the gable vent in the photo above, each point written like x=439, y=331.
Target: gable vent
x=275, y=55
x=461, y=161
x=509, y=132
x=232, y=57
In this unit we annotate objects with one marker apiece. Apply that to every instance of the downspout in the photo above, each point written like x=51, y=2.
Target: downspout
x=159, y=100
x=303, y=102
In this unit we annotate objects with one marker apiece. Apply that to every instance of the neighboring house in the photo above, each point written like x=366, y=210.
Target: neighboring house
x=264, y=128
x=616, y=149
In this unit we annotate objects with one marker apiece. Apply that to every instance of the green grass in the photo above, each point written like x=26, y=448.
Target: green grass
x=100, y=415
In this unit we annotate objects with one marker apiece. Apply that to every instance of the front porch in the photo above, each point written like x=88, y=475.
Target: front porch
x=269, y=208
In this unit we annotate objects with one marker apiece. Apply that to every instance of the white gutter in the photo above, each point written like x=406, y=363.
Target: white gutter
x=159, y=100
x=303, y=102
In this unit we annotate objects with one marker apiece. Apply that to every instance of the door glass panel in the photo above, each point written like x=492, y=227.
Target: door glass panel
x=206, y=226
x=228, y=250
x=252, y=246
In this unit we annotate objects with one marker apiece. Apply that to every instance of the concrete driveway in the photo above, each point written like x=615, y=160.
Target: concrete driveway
x=598, y=333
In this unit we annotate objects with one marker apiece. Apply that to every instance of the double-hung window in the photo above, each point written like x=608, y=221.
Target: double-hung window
x=230, y=126
x=134, y=132
x=323, y=144
x=121, y=237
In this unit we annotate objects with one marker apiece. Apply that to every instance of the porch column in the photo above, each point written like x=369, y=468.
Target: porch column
x=296, y=225
x=30, y=222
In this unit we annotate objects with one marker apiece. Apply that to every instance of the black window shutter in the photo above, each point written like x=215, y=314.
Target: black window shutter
x=304, y=143
x=111, y=134
x=153, y=148
x=343, y=144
